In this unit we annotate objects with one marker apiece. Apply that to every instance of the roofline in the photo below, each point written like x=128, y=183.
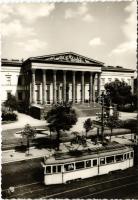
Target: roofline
x=58, y=54
x=61, y=62
x=6, y=62
x=118, y=69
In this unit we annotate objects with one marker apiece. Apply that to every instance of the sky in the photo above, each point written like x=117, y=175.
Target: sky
x=104, y=31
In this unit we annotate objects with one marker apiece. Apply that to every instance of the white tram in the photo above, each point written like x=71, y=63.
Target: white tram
x=65, y=168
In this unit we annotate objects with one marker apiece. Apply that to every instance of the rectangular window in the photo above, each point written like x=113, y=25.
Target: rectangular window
x=8, y=79
x=125, y=156
x=59, y=168
x=48, y=169
x=69, y=167
x=131, y=155
x=95, y=162
x=54, y=169
x=102, y=161
x=119, y=158
x=88, y=163
x=20, y=80
x=79, y=165
x=110, y=159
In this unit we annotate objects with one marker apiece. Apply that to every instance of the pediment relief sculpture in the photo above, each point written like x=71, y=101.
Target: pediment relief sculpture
x=68, y=58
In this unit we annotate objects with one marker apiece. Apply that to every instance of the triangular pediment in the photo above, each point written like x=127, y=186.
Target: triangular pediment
x=68, y=57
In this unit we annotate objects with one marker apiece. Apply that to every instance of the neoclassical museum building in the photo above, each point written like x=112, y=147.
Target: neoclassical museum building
x=44, y=80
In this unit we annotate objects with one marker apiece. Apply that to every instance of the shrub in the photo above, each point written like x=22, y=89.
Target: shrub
x=126, y=108
x=9, y=116
x=130, y=124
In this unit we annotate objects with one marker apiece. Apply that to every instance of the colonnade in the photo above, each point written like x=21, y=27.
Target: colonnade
x=56, y=87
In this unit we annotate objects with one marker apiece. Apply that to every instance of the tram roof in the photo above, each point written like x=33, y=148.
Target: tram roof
x=63, y=158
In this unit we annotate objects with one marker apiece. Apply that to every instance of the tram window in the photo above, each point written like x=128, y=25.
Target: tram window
x=48, y=169
x=110, y=159
x=54, y=169
x=102, y=161
x=59, y=168
x=69, y=167
x=127, y=155
x=95, y=162
x=119, y=158
x=79, y=165
x=131, y=154
x=88, y=163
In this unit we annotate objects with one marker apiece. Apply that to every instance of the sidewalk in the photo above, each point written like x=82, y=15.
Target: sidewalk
x=10, y=156
x=23, y=119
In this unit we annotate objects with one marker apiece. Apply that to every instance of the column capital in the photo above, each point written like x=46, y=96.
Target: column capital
x=43, y=70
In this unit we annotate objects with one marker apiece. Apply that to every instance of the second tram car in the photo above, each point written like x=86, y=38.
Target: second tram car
x=58, y=170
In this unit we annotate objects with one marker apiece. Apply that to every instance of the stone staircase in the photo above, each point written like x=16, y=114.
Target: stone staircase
x=82, y=110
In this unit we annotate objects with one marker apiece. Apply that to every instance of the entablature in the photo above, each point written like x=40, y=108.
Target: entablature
x=47, y=66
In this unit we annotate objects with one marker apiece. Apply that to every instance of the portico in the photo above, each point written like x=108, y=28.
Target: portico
x=63, y=77
x=53, y=91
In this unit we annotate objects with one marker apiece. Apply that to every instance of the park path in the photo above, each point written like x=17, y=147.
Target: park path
x=23, y=119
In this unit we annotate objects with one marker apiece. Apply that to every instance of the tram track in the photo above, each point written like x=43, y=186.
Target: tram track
x=92, y=188
x=94, y=195
x=41, y=191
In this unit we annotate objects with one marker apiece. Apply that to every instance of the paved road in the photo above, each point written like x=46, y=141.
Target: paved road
x=28, y=181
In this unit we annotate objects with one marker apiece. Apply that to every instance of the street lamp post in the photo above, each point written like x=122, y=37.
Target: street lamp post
x=103, y=115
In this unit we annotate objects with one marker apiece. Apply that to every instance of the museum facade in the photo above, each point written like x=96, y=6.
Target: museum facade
x=59, y=77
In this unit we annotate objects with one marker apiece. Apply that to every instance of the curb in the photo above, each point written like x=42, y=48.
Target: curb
x=31, y=158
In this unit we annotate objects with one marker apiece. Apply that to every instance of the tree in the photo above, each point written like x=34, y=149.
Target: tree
x=61, y=117
x=11, y=102
x=120, y=92
x=29, y=133
x=112, y=122
x=87, y=125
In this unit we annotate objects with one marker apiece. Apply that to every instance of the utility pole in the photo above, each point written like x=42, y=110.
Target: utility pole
x=102, y=121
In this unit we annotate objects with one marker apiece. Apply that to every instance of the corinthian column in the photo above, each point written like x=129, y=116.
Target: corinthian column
x=91, y=87
x=44, y=87
x=64, y=86
x=98, y=84
x=54, y=87
x=82, y=87
x=33, y=86
x=73, y=87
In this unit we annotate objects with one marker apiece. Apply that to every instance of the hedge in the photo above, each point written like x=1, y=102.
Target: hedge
x=9, y=116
